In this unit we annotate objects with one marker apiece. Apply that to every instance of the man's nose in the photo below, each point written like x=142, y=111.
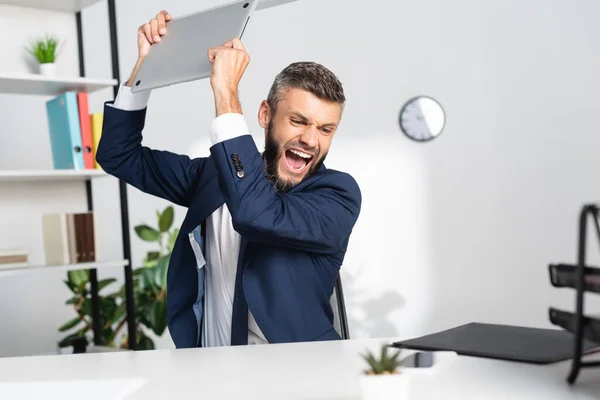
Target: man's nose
x=310, y=137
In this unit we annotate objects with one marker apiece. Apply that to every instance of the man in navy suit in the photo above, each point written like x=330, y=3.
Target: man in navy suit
x=265, y=234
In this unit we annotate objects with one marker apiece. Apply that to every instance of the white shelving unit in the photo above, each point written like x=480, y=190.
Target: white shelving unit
x=50, y=86
x=50, y=175
x=52, y=5
x=17, y=269
x=38, y=85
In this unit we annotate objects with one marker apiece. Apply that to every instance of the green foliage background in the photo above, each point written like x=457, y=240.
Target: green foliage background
x=150, y=293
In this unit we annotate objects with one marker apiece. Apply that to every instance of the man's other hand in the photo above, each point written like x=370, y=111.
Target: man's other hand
x=229, y=64
x=151, y=32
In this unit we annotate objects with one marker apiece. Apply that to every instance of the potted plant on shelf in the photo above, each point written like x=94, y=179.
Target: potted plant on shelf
x=45, y=50
x=384, y=378
x=150, y=295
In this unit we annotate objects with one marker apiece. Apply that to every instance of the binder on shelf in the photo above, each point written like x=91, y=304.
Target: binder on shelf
x=85, y=240
x=86, y=130
x=65, y=131
x=13, y=258
x=96, y=120
x=91, y=235
x=56, y=244
x=72, y=239
x=79, y=239
x=69, y=238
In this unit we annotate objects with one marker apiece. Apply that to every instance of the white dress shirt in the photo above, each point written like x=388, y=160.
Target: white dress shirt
x=222, y=241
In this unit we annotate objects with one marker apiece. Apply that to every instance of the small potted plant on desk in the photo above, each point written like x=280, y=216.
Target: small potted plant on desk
x=45, y=51
x=384, y=378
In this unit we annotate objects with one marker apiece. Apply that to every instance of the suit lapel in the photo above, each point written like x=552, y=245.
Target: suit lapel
x=239, y=318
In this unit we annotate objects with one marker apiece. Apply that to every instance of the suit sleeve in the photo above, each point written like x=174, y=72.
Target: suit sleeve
x=160, y=173
x=318, y=219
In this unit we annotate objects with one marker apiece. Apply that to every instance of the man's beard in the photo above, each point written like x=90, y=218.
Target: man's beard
x=273, y=153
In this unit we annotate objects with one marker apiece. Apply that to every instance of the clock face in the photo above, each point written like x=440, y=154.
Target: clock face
x=422, y=119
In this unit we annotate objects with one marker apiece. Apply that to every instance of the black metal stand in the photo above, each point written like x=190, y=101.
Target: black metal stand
x=574, y=276
x=130, y=306
x=341, y=304
x=589, y=210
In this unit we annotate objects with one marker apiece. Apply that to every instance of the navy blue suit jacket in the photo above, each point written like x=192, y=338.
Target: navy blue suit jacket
x=293, y=243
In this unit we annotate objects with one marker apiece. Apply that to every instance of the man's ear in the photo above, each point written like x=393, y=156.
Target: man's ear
x=264, y=114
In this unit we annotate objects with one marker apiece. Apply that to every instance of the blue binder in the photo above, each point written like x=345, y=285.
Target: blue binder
x=65, y=131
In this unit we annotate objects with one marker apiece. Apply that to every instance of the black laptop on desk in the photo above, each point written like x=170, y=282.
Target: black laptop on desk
x=504, y=342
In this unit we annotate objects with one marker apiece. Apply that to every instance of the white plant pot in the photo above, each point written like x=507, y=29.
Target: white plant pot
x=384, y=387
x=48, y=69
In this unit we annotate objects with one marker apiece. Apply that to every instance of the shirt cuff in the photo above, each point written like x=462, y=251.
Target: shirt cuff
x=228, y=126
x=129, y=101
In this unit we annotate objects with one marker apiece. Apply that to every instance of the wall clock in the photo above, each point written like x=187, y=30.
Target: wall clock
x=422, y=119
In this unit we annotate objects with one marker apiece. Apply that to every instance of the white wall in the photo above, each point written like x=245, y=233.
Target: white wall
x=460, y=229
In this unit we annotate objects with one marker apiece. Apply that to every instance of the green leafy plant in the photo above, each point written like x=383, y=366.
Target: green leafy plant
x=385, y=364
x=44, y=49
x=150, y=294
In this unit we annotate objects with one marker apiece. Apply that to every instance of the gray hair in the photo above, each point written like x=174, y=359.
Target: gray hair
x=308, y=76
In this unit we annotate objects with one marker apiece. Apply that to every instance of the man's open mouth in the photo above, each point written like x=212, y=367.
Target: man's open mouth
x=297, y=160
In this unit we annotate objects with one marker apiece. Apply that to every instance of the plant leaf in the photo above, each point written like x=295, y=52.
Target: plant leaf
x=72, y=323
x=108, y=307
x=166, y=219
x=385, y=363
x=44, y=50
x=159, y=317
x=86, y=307
x=105, y=282
x=161, y=272
x=148, y=281
x=143, y=342
x=152, y=255
x=81, y=289
x=172, y=239
x=119, y=312
x=395, y=363
x=151, y=259
x=71, y=286
x=78, y=277
x=371, y=361
x=72, y=300
x=107, y=336
x=147, y=233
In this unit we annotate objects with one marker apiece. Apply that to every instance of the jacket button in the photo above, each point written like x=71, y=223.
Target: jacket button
x=240, y=174
x=235, y=157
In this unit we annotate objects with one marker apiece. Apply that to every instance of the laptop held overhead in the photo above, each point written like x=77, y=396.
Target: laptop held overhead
x=182, y=54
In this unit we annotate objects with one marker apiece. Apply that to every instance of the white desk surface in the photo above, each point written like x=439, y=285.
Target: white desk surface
x=322, y=370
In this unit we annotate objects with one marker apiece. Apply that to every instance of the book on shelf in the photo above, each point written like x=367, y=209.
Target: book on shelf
x=13, y=257
x=85, y=124
x=69, y=238
x=74, y=131
x=96, y=120
x=65, y=131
